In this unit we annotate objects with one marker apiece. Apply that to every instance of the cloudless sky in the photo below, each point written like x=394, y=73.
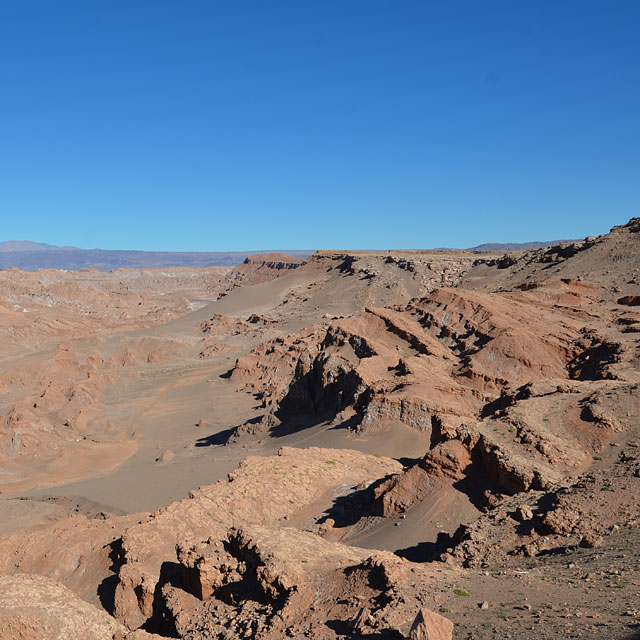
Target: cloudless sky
x=202, y=125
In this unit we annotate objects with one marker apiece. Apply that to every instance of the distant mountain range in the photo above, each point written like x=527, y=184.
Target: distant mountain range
x=27, y=245
x=514, y=246
x=30, y=256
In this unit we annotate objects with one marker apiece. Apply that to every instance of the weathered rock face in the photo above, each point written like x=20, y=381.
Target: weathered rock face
x=571, y=514
x=262, y=268
x=431, y=626
x=268, y=492
x=75, y=550
x=232, y=562
x=38, y=608
x=428, y=270
x=262, y=583
x=446, y=355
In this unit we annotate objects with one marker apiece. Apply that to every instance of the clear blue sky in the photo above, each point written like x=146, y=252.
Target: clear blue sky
x=205, y=125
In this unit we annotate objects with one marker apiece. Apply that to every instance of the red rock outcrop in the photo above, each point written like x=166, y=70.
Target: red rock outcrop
x=431, y=626
x=38, y=608
x=262, y=583
x=262, y=491
x=262, y=268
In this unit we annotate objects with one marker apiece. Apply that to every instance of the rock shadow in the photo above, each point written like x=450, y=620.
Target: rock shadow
x=107, y=588
x=349, y=509
x=161, y=621
x=344, y=629
x=289, y=427
x=475, y=484
x=217, y=439
x=428, y=551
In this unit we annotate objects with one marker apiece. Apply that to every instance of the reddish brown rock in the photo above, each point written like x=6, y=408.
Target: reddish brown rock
x=38, y=608
x=431, y=626
x=262, y=491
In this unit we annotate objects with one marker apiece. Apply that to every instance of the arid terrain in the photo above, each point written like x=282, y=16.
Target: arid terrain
x=377, y=445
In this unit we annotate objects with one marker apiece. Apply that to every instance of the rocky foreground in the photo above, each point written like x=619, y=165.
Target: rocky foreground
x=513, y=511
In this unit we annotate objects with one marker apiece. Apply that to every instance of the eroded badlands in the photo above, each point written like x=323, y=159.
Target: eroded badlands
x=359, y=445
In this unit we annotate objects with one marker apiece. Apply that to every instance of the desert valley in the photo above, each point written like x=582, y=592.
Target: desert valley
x=377, y=445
